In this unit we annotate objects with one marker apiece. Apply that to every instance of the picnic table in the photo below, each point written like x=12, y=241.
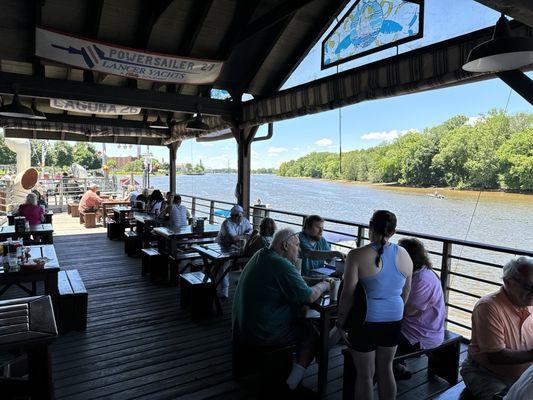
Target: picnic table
x=45, y=231
x=106, y=205
x=144, y=224
x=48, y=274
x=215, y=258
x=121, y=213
x=171, y=240
x=28, y=325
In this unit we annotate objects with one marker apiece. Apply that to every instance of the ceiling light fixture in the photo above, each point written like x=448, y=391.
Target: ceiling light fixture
x=504, y=52
x=196, y=124
x=37, y=114
x=16, y=109
x=158, y=123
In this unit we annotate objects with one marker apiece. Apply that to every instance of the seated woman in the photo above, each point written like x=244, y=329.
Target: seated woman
x=267, y=228
x=41, y=202
x=424, y=313
x=154, y=202
x=177, y=213
x=31, y=210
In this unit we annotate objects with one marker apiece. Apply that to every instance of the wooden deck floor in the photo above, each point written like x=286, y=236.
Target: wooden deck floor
x=140, y=344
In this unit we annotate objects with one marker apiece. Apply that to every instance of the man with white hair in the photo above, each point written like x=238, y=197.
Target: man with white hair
x=234, y=230
x=90, y=200
x=501, y=348
x=269, y=297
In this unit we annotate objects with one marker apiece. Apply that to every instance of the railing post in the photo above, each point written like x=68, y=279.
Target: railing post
x=212, y=212
x=445, y=272
x=61, y=190
x=360, y=235
x=193, y=206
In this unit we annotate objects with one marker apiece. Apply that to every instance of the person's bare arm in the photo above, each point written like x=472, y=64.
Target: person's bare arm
x=409, y=310
x=322, y=254
x=510, y=357
x=351, y=278
x=407, y=269
x=317, y=290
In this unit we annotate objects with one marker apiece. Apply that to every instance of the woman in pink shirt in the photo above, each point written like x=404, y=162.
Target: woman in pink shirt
x=424, y=312
x=31, y=210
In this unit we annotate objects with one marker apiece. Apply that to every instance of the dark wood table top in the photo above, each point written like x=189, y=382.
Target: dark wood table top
x=47, y=212
x=38, y=251
x=143, y=217
x=26, y=322
x=39, y=228
x=214, y=252
x=209, y=231
x=122, y=209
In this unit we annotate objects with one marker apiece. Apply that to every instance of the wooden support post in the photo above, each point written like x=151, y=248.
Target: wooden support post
x=173, y=149
x=244, y=140
x=445, y=271
x=212, y=212
x=360, y=235
x=193, y=206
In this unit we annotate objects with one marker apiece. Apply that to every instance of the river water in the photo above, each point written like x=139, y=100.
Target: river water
x=500, y=218
x=494, y=218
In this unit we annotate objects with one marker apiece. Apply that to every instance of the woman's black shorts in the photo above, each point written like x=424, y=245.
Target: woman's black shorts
x=372, y=335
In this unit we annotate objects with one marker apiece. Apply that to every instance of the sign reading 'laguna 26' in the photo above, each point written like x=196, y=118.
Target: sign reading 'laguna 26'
x=123, y=61
x=88, y=107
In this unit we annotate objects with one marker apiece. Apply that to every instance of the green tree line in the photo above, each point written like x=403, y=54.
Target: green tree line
x=59, y=154
x=496, y=152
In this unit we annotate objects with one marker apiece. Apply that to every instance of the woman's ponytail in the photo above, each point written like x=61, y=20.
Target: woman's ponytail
x=383, y=223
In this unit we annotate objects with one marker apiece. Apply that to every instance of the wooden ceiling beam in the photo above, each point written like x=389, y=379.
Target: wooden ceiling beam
x=56, y=88
x=275, y=32
x=521, y=10
x=334, y=8
x=277, y=14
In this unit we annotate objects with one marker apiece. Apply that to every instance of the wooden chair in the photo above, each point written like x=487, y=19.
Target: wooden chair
x=72, y=301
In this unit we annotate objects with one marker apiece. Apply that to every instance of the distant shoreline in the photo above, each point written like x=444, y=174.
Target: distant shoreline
x=428, y=189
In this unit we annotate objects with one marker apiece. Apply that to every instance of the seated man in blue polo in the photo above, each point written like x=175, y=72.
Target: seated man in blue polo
x=314, y=248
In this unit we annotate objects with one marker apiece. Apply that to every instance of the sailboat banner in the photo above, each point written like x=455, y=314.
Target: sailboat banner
x=123, y=61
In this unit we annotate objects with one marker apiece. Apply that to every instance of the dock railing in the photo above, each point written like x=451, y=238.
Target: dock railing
x=467, y=270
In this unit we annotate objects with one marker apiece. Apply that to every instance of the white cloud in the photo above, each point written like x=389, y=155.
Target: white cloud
x=254, y=153
x=274, y=151
x=473, y=120
x=323, y=142
x=386, y=135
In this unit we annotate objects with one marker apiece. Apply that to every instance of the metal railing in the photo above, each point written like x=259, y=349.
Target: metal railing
x=467, y=270
x=59, y=192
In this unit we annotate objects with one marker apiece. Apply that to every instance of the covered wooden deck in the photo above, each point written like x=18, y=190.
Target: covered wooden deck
x=140, y=344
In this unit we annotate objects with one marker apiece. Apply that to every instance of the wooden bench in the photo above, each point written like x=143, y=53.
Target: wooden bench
x=88, y=218
x=179, y=263
x=72, y=301
x=197, y=293
x=113, y=229
x=73, y=210
x=443, y=361
x=132, y=243
x=152, y=262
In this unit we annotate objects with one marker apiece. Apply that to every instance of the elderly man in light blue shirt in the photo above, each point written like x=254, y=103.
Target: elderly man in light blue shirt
x=233, y=230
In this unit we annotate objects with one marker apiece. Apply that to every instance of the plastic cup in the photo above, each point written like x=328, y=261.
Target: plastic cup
x=334, y=291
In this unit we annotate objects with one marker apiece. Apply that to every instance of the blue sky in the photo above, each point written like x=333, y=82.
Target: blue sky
x=369, y=123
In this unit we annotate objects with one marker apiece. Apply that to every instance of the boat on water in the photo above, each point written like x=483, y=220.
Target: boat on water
x=436, y=195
